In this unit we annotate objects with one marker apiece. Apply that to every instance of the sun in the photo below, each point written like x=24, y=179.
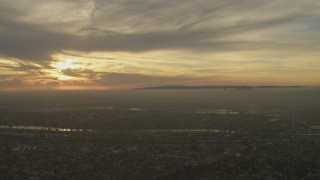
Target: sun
x=66, y=64
x=61, y=65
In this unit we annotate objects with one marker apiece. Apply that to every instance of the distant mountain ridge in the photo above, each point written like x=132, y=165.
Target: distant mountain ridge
x=216, y=87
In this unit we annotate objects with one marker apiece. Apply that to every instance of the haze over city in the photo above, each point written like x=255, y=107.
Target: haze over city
x=160, y=89
x=97, y=44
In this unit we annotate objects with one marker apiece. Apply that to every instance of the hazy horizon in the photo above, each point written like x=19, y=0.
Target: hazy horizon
x=160, y=89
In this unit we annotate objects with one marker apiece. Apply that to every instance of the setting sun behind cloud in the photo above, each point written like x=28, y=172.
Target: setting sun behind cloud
x=65, y=64
x=143, y=43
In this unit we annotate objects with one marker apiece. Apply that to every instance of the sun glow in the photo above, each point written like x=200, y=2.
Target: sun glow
x=66, y=64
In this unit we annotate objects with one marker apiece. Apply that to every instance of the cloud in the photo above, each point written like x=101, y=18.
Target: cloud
x=31, y=80
x=87, y=73
x=26, y=42
x=116, y=79
x=139, y=79
x=138, y=26
x=33, y=32
x=206, y=70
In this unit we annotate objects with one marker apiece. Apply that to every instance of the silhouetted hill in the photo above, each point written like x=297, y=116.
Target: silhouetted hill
x=217, y=87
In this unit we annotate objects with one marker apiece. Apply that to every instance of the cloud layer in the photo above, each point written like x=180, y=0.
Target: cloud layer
x=34, y=31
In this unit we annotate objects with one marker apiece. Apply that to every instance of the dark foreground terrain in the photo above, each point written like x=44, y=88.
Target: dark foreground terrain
x=161, y=135
x=155, y=155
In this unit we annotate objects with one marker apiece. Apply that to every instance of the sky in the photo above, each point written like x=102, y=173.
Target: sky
x=124, y=44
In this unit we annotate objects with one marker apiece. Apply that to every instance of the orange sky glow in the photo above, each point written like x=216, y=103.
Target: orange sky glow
x=100, y=45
